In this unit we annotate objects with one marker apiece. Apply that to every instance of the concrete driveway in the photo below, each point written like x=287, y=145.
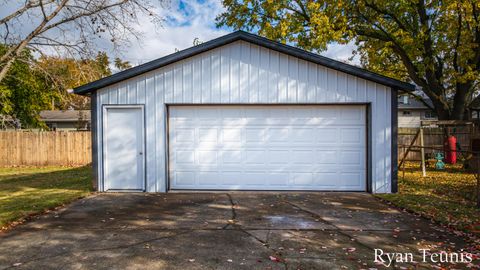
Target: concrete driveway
x=221, y=231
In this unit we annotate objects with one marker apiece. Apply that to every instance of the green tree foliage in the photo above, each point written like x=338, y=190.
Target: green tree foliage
x=435, y=44
x=25, y=91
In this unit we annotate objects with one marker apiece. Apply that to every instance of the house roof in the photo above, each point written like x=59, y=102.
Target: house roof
x=414, y=104
x=254, y=39
x=65, y=116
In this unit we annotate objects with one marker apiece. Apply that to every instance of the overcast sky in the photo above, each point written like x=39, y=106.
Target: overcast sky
x=185, y=20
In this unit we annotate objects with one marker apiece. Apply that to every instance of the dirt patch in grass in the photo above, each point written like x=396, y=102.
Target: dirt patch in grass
x=25, y=191
x=448, y=196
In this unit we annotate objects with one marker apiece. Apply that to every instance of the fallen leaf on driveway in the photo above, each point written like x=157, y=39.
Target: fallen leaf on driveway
x=274, y=259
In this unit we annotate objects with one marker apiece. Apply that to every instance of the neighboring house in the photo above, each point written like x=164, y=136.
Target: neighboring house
x=412, y=111
x=242, y=112
x=475, y=109
x=66, y=120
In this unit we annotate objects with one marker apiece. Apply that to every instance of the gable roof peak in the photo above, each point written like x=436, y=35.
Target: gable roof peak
x=251, y=38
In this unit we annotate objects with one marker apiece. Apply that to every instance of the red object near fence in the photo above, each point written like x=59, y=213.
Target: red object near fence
x=450, y=147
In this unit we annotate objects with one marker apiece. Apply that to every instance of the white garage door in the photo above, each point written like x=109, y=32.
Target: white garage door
x=267, y=147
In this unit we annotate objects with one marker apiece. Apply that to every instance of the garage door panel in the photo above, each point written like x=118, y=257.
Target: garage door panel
x=184, y=157
x=232, y=156
x=184, y=135
x=255, y=157
x=350, y=179
x=351, y=136
x=325, y=179
x=207, y=178
x=302, y=179
x=267, y=148
x=279, y=179
x=326, y=135
x=305, y=157
x=351, y=157
x=184, y=178
x=231, y=135
x=279, y=156
x=208, y=135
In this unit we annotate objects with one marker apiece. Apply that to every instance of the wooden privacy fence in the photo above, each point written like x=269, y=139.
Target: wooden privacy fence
x=23, y=148
x=432, y=137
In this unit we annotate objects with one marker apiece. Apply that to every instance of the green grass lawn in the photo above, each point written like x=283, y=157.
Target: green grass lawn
x=30, y=190
x=446, y=196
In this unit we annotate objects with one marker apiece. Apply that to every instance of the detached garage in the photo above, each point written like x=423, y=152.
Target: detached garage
x=242, y=112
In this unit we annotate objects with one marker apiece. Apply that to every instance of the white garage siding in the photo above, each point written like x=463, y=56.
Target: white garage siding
x=244, y=73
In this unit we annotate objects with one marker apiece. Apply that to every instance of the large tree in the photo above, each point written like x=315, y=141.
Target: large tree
x=435, y=44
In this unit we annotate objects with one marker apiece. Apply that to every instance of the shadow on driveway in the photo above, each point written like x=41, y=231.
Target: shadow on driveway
x=238, y=230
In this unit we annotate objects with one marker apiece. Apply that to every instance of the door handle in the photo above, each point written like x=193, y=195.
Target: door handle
x=140, y=153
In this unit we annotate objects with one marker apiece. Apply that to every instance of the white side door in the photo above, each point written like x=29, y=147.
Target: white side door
x=123, y=148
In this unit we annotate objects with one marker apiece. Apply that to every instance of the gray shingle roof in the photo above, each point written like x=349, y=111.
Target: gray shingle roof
x=414, y=104
x=65, y=116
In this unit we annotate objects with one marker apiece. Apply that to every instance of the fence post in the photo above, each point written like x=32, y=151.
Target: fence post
x=478, y=181
x=422, y=153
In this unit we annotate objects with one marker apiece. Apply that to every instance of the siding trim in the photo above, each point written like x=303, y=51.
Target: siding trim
x=370, y=149
x=251, y=38
x=94, y=140
x=394, y=141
